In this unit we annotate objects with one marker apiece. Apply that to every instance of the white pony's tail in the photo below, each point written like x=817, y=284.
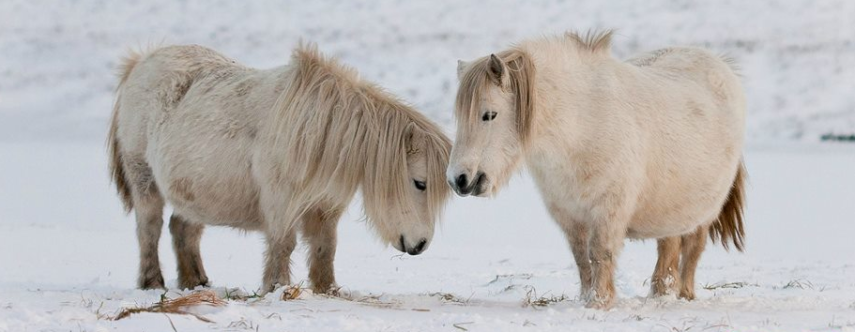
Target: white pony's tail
x=117, y=171
x=729, y=227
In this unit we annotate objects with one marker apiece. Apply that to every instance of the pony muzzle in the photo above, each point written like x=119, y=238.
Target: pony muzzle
x=416, y=249
x=464, y=186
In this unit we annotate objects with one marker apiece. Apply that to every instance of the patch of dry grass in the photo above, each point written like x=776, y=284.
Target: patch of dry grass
x=521, y=276
x=532, y=299
x=798, y=283
x=235, y=294
x=292, y=292
x=728, y=285
x=450, y=298
x=460, y=325
x=178, y=305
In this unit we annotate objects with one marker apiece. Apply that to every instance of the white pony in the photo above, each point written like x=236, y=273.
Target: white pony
x=275, y=151
x=647, y=148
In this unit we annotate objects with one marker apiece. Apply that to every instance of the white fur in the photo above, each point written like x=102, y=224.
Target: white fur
x=646, y=148
x=272, y=151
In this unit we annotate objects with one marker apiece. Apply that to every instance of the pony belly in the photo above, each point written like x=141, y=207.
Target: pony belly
x=673, y=221
x=222, y=205
x=210, y=184
x=662, y=230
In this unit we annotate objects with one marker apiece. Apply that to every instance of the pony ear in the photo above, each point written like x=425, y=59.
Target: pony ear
x=409, y=137
x=497, y=70
x=461, y=66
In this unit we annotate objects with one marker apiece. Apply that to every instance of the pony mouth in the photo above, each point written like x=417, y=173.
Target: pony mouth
x=414, y=250
x=481, y=187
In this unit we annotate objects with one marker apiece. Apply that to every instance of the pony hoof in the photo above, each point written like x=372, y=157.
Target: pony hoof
x=600, y=304
x=267, y=289
x=152, y=283
x=192, y=284
x=270, y=288
x=586, y=295
x=664, y=286
x=662, y=292
x=331, y=290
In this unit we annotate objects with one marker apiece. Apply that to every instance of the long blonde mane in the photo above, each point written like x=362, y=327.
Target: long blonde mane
x=337, y=133
x=521, y=78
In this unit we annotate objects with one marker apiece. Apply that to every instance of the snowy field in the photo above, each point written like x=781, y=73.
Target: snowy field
x=68, y=254
x=69, y=258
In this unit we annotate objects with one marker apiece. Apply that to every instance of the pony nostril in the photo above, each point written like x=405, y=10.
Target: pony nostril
x=403, y=246
x=461, y=181
x=480, y=179
x=419, y=248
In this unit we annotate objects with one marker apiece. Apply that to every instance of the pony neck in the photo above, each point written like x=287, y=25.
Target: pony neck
x=569, y=83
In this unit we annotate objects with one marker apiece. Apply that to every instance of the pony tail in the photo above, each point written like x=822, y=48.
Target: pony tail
x=117, y=169
x=116, y=166
x=729, y=226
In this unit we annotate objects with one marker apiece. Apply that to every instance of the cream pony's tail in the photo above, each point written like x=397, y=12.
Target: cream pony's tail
x=729, y=226
x=117, y=171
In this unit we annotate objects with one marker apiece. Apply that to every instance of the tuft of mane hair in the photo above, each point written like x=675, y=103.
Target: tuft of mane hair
x=592, y=40
x=732, y=63
x=127, y=64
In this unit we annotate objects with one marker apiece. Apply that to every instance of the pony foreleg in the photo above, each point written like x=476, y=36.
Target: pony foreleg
x=606, y=241
x=577, y=236
x=666, y=279
x=319, y=231
x=277, y=258
x=693, y=246
x=185, y=241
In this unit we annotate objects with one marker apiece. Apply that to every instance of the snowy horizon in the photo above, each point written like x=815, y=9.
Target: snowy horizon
x=57, y=61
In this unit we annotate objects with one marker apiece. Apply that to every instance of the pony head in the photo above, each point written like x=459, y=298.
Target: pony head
x=355, y=135
x=404, y=191
x=494, y=111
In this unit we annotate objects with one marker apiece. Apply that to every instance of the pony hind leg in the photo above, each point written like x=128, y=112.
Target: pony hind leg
x=186, y=237
x=692, y=247
x=319, y=231
x=148, y=208
x=666, y=277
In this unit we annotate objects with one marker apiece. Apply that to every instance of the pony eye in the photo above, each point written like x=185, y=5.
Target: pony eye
x=489, y=116
x=420, y=185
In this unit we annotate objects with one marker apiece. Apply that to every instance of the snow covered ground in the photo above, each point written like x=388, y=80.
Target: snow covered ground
x=68, y=254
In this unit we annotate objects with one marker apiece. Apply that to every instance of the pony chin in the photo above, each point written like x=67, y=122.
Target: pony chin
x=410, y=230
x=498, y=179
x=497, y=184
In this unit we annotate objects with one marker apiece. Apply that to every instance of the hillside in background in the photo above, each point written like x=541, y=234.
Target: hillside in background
x=57, y=58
